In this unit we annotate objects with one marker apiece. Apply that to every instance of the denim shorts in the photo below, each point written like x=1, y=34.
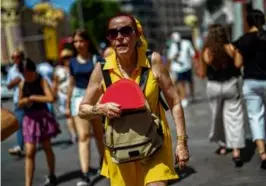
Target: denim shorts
x=77, y=96
x=254, y=92
x=184, y=76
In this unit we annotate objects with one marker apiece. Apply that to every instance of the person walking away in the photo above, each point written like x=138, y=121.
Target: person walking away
x=81, y=68
x=46, y=69
x=218, y=64
x=39, y=125
x=181, y=53
x=14, y=77
x=127, y=62
x=252, y=46
x=60, y=87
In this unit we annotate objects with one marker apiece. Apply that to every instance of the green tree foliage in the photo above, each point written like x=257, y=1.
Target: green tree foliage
x=96, y=14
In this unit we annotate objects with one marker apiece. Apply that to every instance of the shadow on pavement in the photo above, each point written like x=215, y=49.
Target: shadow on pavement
x=183, y=174
x=96, y=179
x=248, y=152
x=19, y=158
x=77, y=174
x=69, y=176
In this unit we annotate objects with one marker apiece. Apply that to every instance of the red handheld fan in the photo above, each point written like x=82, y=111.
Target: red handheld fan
x=126, y=93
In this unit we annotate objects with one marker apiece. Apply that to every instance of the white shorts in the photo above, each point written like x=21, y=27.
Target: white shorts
x=77, y=96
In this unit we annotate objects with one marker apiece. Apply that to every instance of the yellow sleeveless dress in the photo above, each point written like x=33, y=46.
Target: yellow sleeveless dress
x=159, y=167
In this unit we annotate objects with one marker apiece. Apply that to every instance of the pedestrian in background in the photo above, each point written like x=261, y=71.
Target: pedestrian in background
x=219, y=57
x=39, y=125
x=253, y=49
x=46, y=70
x=81, y=68
x=60, y=86
x=14, y=77
x=181, y=54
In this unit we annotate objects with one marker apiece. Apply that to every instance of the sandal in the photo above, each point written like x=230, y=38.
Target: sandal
x=238, y=161
x=221, y=151
x=263, y=161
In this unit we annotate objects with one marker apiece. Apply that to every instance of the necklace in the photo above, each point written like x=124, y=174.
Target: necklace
x=123, y=73
x=120, y=69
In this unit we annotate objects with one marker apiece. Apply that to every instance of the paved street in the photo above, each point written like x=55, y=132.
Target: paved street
x=205, y=167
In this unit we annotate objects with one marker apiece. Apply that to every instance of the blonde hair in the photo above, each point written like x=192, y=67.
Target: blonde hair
x=19, y=52
x=143, y=42
x=66, y=53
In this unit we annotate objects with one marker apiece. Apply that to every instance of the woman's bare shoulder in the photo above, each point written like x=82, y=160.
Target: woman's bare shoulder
x=230, y=49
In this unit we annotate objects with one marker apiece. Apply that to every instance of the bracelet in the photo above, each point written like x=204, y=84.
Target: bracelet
x=95, y=111
x=182, y=138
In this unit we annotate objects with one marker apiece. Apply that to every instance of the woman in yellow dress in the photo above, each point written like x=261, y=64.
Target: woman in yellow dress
x=126, y=62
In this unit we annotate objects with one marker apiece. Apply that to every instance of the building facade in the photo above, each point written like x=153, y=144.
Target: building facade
x=36, y=31
x=11, y=37
x=42, y=34
x=160, y=18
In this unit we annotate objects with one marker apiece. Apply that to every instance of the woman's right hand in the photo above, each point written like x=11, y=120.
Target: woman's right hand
x=28, y=102
x=111, y=110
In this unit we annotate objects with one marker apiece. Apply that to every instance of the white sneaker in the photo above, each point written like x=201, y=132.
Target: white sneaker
x=82, y=183
x=15, y=151
x=184, y=103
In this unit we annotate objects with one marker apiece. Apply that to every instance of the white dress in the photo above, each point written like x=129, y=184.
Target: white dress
x=63, y=74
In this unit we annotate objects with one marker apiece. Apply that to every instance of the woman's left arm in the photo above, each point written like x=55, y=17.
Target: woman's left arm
x=48, y=95
x=238, y=59
x=165, y=83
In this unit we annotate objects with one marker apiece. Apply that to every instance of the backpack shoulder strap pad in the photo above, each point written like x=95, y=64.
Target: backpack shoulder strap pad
x=106, y=74
x=143, y=78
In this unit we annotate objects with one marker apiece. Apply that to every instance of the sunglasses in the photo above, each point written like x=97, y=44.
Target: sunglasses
x=125, y=31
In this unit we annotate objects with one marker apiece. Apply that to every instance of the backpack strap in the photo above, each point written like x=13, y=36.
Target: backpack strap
x=164, y=104
x=106, y=78
x=143, y=78
x=106, y=74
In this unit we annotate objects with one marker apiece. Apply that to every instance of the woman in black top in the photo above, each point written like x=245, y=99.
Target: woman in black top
x=217, y=64
x=253, y=49
x=39, y=125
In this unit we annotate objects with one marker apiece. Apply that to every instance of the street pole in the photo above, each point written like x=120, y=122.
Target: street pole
x=80, y=14
x=238, y=20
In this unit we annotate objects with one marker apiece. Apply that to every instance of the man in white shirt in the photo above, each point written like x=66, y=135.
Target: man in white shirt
x=46, y=70
x=14, y=77
x=181, y=53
